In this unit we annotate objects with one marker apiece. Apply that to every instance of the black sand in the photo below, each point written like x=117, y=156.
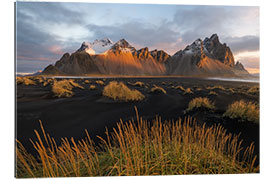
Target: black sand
x=88, y=109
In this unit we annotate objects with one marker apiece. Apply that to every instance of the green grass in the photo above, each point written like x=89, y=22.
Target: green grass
x=243, y=111
x=200, y=103
x=138, y=148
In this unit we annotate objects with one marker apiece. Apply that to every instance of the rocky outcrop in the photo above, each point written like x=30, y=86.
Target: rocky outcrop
x=142, y=53
x=219, y=51
x=160, y=56
x=51, y=70
x=204, y=58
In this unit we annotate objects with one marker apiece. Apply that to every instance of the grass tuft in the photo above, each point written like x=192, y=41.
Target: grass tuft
x=230, y=90
x=181, y=88
x=100, y=82
x=48, y=81
x=200, y=103
x=139, y=148
x=25, y=80
x=63, y=88
x=243, y=111
x=255, y=90
x=138, y=83
x=216, y=87
x=92, y=87
x=188, y=91
x=212, y=93
x=119, y=91
x=157, y=89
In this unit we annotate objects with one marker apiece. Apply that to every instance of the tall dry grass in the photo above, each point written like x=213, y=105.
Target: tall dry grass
x=243, y=111
x=119, y=91
x=139, y=148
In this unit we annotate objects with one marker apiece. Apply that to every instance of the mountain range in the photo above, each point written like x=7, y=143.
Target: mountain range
x=206, y=57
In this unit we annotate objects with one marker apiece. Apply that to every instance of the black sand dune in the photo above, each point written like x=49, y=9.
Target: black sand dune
x=88, y=109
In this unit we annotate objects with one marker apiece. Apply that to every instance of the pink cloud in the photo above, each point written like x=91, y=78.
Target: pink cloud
x=35, y=58
x=55, y=49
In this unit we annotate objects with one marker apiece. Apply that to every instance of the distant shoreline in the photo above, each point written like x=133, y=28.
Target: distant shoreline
x=254, y=79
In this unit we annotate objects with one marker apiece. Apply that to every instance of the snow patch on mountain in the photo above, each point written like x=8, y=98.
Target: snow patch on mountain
x=96, y=47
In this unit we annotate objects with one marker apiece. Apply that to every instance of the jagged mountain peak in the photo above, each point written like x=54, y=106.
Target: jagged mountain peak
x=239, y=66
x=123, y=45
x=209, y=56
x=214, y=37
x=96, y=47
x=104, y=41
x=210, y=47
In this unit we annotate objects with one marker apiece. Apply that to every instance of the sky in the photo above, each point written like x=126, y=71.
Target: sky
x=46, y=30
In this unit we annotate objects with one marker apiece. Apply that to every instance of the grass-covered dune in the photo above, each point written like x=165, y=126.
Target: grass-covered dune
x=139, y=148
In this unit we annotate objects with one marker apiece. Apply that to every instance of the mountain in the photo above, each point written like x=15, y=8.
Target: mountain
x=124, y=59
x=103, y=57
x=206, y=57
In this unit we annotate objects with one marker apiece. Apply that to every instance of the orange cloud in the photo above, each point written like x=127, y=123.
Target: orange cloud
x=253, y=70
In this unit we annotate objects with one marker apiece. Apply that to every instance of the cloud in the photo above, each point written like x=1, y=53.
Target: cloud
x=35, y=44
x=250, y=60
x=49, y=12
x=244, y=43
x=253, y=70
x=202, y=21
x=56, y=49
x=31, y=65
x=139, y=33
x=45, y=30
